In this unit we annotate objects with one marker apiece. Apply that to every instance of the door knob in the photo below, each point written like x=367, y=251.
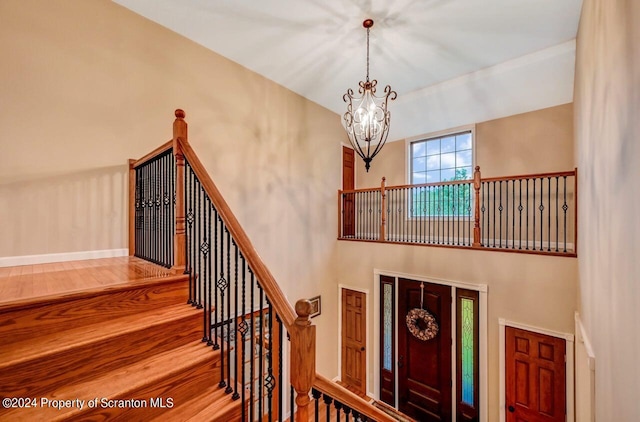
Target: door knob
x=362, y=349
x=511, y=409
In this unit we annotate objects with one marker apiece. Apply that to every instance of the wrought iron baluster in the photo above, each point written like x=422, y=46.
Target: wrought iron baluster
x=527, y=219
x=209, y=285
x=236, y=395
x=252, y=333
x=549, y=215
x=198, y=224
x=557, y=211
x=327, y=402
x=222, y=286
x=356, y=415
x=206, y=274
x=494, y=214
x=188, y=204
x=534, y=214
x=565, y=208
x=143, y=205
x=541, y=212
x=229, y=389
x=269, y=381
x=316, y=396
x=261, y=354
x=520, y=212
x=347, y=411
x=338, y=407
x=243, y=329
x=280, y=371
x=501, y=208
x=506, y=224
x=485, y=230
x=458, y=214
x=216, y=326
x=172, y=208
x=513, y=214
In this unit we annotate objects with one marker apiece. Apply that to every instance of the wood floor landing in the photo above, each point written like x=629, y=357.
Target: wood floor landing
x=30, y=283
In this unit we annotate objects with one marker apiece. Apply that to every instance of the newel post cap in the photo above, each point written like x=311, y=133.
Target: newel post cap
x=180, y=113
x=303, y=310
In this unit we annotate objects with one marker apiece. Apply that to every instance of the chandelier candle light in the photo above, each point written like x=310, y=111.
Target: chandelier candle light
x=367, y=118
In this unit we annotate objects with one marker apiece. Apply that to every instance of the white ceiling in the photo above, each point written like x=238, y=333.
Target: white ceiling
x=317, y=49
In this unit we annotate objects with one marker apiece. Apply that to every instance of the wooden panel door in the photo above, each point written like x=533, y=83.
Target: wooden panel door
x=535, y=377
x=354, y=339
x=424, y=367
x=348, y=199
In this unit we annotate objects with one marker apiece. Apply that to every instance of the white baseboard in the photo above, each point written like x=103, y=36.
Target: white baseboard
x=12, y=261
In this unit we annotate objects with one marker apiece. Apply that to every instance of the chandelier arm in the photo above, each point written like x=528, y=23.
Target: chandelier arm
x=356, y=147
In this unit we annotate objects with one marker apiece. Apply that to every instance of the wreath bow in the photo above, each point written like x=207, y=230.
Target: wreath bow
x=428, y=321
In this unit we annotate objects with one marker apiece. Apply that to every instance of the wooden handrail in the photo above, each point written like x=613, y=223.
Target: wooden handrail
x=530, y=176
x=350, y=399
x=265, y=278
x=467, y=181
x=162, y=148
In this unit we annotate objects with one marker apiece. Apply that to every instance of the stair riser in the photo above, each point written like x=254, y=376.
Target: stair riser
x=63, y=314
x=180, y=387
x=39, y=375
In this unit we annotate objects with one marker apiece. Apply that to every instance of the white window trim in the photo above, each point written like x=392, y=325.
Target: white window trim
x=407, y=143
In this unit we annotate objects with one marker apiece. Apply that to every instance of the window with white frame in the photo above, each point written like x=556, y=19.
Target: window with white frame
x=440, y=159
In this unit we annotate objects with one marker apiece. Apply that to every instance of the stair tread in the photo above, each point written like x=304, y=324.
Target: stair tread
x=31, y=348
x=123, y=382
x=68, y=295
x=210, y=405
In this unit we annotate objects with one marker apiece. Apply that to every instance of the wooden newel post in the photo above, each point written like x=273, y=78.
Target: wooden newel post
x=476, y=188
x=383, y=217
x=303, y=358
x=132, y=208
x=179, y=135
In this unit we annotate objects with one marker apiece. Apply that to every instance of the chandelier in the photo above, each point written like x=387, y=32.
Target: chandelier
x=367, y=118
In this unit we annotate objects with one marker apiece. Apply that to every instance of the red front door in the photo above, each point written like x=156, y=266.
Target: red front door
x=535, y=377
x=424, y=367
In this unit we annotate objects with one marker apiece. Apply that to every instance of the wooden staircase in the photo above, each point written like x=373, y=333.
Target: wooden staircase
x=129, y=351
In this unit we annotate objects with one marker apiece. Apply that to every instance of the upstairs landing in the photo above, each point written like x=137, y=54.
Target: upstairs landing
x=29, y=284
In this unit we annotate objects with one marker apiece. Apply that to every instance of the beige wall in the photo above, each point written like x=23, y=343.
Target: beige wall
x=607, y=122
x=509, y=146
x=88, y=84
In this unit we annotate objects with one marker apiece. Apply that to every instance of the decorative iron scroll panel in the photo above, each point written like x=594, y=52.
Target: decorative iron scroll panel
x=155, y=209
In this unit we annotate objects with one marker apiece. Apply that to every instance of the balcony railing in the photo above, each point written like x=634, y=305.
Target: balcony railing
x=533, y=213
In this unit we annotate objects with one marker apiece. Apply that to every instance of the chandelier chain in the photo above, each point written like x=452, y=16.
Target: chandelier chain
x=368, y=54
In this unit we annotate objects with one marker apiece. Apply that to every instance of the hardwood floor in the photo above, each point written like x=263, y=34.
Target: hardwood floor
x=20, y=284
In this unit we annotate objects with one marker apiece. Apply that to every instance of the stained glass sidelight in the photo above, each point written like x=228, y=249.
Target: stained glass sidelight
x=388, y=329
x=467, y=351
